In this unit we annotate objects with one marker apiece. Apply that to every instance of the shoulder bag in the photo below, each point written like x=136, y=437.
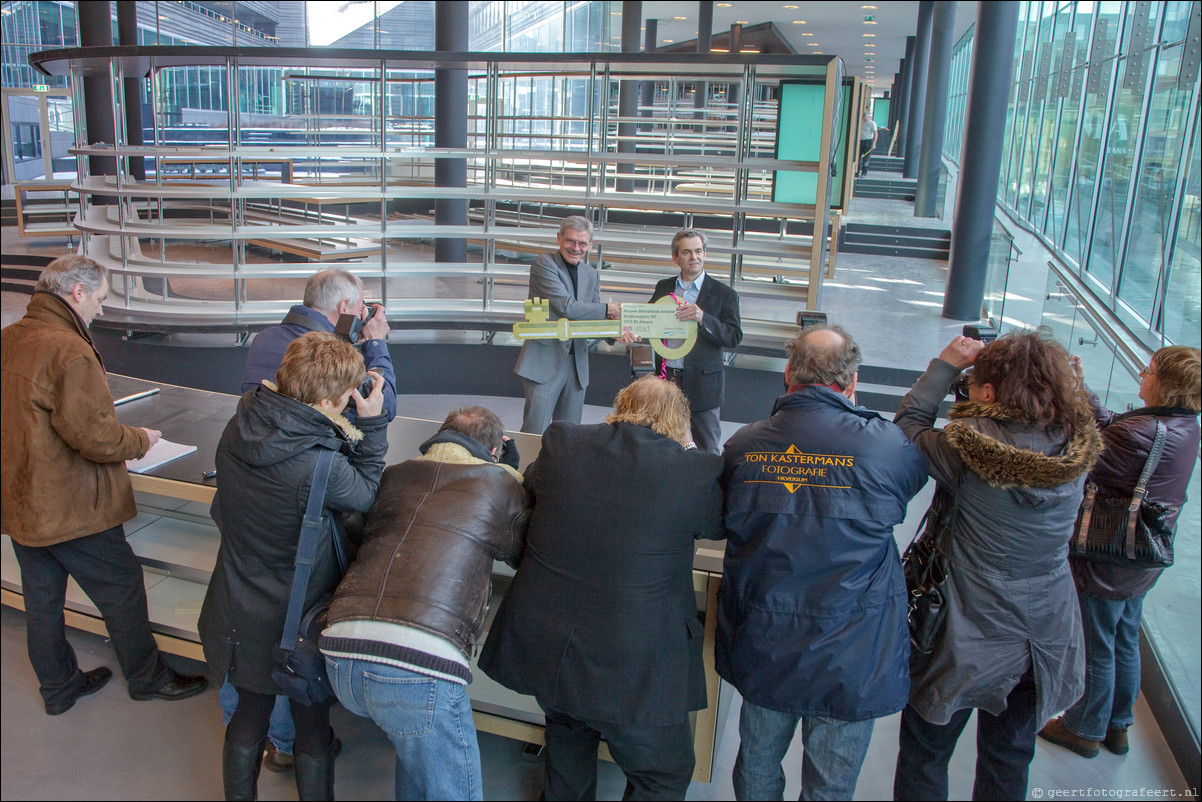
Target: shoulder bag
x=1134, y=531
x=300, y=667
x=927, y=571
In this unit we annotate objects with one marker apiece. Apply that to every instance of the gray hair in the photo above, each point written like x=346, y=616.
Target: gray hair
x=61, y=275
x=479, y=423
x=685, y=234
x=812, y=362
x=576, y=223
x=330, y=287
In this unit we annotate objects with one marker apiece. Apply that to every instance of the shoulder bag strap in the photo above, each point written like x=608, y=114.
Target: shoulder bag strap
x=1141, y=487
x=307, y=548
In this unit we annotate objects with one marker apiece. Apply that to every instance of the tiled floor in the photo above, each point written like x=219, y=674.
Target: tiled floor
x=110, y=747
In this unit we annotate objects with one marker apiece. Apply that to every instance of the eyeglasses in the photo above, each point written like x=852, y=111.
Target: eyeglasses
x=1147, y=372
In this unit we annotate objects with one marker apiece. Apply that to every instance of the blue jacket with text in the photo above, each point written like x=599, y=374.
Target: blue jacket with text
x=812, y=608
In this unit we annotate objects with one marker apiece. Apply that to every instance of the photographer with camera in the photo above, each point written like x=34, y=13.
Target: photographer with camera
x=333, y=303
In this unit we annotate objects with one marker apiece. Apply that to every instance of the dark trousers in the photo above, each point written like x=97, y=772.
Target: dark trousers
x=865, y=150
x=248, y=725
x=105, y=567
x=1005, y=747
x=705, y=424
x=658, y=761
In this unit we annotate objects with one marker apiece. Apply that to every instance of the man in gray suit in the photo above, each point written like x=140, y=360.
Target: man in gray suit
x=555, y=374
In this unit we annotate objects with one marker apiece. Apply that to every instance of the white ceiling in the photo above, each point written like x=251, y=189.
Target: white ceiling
x=837, y=28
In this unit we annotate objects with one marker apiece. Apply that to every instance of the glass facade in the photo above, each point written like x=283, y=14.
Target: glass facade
x=1101, y=162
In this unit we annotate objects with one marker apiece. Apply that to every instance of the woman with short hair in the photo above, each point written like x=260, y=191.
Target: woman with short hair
x=1112, y=596
x=265, y=462
x=1009, y=470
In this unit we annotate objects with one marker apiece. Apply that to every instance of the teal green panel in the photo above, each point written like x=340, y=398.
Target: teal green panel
x=798, y=136
x=841, y=134
x=880, y=112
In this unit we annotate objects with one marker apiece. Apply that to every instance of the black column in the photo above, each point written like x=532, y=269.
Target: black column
x=903, y=110
x=934, y=117
x=735, y=46
x=96, y=30
x=705, y=40
x=648, y=87
x=127, y=34
x=450, y=126
x=628, y=91
x=918, y=87
x=980, y=165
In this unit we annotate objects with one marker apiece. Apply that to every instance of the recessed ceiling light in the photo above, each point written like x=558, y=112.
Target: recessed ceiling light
x=868, y=34
x=680, y=18
x=869, y=44
x=723, y=5
x=669, y=41
x=813, y=44
x=789, y=6
x=807, y=33
x=868, y=7
x=740, y=22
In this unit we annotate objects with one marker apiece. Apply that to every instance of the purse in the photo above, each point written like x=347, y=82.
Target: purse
x=1133, y=532
x=927, y=571
x=300, y=667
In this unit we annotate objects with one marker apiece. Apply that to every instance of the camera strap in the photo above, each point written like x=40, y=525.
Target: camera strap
x=294, y=318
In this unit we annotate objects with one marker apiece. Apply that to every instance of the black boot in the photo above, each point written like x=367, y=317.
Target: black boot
x=315, y=775
x=240, y=770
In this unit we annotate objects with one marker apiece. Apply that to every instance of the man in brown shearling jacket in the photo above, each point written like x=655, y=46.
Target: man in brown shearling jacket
x=65, y=491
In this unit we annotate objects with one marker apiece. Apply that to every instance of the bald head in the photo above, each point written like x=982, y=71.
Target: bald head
x=823, y=354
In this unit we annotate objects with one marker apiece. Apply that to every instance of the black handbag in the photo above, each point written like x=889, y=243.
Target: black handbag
x=927, y=571
x=1133, y=532
x=300, y=667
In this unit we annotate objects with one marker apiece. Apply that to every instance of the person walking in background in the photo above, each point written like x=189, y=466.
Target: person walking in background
x=1112, y=596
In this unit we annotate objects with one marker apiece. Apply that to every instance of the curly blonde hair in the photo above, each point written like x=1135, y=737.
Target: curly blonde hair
x=659, y=405
x=319, y=366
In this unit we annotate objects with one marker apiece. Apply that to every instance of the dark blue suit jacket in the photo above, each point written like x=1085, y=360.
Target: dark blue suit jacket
x=704, y=379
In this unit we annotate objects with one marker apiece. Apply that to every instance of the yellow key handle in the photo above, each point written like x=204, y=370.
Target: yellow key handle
x=537, y=326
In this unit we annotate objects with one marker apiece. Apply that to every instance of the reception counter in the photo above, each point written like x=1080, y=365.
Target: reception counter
x=176, y=541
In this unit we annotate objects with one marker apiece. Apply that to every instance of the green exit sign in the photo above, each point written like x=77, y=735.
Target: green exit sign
x=473, y=96
x=41, y=88
x=869, y=18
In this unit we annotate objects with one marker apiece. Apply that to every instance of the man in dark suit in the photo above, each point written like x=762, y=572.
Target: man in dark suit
x=715, y=307
x=554, y=373
x=600, y=624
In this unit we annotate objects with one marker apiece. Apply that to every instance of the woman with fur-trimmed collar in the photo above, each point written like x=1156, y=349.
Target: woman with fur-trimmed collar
x=1014, y=457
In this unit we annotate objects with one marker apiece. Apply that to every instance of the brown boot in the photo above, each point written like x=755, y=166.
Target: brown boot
x=1116, y=741
x=1057, y=733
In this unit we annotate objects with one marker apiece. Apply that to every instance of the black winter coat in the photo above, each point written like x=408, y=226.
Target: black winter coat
x=265, y=462
x=1127, y=440
x=601, y=620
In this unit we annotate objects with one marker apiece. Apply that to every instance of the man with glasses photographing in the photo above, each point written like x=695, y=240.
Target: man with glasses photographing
x=329, y=295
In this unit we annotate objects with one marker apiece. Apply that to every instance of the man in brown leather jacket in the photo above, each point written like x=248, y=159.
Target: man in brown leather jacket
x=406, y=617
x=65, y=491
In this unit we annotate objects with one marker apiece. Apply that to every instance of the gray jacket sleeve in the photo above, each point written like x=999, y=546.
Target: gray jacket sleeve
x=916, y=417
x=549, y=281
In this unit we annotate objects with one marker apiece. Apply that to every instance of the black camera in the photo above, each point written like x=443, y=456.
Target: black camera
x=985, y=334
x=349, y=327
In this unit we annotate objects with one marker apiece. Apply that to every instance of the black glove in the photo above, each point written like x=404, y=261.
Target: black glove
x=509, y=454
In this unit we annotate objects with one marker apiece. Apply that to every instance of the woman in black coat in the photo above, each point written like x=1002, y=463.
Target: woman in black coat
x=1112, y=596
x=265, y=462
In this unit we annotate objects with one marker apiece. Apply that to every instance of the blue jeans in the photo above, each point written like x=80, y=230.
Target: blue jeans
x=281, y=730
x=428, y=720
x=834, y=753
x=1111, y=667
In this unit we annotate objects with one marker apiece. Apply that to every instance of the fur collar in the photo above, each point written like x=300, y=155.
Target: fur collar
x=456, y=454
x=337, y=418
x=1003, y=465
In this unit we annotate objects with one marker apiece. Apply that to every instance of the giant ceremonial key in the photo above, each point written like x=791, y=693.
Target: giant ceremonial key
x=656, y=323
